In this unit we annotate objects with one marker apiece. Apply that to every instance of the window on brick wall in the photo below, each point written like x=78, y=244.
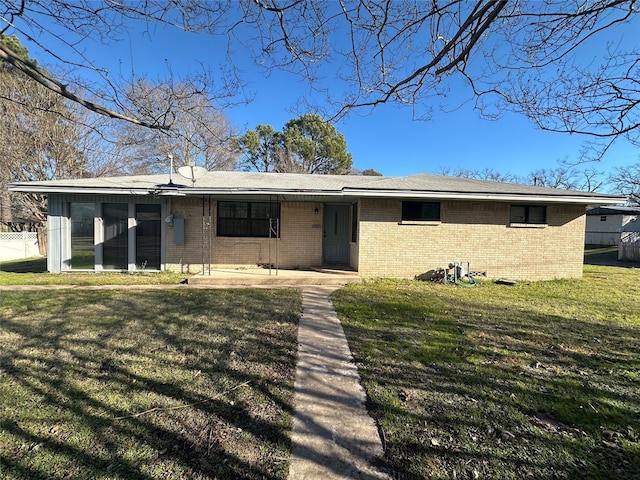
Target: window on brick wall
x=421, y=211
x=248, y=219
x=533, y=214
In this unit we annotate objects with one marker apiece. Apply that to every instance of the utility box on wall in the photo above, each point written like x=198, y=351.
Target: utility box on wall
x=178, y=231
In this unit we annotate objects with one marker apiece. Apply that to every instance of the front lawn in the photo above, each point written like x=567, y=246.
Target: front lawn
x=34, y=272
x=539, y=380
x=175, y=384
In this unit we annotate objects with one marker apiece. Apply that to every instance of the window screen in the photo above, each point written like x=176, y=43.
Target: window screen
x=535, y=214
x=425, y=211
x=248, y=219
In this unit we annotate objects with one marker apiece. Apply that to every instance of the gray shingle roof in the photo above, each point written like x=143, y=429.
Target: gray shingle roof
x=293, y=185
x=439, y=183
x=624, y=210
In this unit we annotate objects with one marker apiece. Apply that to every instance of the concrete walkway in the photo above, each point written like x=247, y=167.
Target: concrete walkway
x=333, y=436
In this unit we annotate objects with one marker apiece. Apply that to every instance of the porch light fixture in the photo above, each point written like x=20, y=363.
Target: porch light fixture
x=316, y=211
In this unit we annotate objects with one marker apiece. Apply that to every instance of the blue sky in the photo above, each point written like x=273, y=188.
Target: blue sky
x=386, y=139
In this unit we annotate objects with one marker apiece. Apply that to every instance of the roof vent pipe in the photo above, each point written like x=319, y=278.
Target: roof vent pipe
x=170, y=168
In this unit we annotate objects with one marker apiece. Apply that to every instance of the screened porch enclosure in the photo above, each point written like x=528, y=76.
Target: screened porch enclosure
x=114, y=236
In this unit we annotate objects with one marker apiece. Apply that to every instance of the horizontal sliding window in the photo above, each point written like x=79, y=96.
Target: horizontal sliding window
x=248, y=219
x=533, y=214
x=421, y=211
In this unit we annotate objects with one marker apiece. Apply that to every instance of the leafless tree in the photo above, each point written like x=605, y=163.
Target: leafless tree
x=569, y=178
x=561, y=63
x=483, y=174
x=200, y=133
x=38, y=141
x=627, y=181
x=563, y=176
x=46, y=136
x=592, y=180
x=60, y=29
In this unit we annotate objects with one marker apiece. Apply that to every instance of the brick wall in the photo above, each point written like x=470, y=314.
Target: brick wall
x=299, y=246
x=478, y=232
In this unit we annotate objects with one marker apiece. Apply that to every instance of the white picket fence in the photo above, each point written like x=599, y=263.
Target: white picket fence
x=629, y=246
x=17, y=245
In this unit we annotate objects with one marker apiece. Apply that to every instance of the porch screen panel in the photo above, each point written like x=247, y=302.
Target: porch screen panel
x=83, y=252
x=148, y=225
x=115, y=248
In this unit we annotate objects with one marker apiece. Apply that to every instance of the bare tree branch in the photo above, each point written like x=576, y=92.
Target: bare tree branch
x=560, y=63
x=47, y=81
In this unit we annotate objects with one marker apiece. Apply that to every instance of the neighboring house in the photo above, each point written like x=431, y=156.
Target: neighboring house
x=606, y=225
x=379, y=226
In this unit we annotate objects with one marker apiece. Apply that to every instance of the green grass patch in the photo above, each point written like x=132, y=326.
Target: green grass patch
x=34, y=272
x=538, y=380
x=188, y=384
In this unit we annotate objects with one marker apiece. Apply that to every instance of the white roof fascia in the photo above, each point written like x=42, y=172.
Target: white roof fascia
x=170, y=191
x=250, y=191
x=345, y=192
x=44, y=189
x=499, y=197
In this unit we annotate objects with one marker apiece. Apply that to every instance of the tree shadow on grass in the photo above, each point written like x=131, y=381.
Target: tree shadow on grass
x=29, y=265
x=606, y=256
x=189, y=384
x=461, y=395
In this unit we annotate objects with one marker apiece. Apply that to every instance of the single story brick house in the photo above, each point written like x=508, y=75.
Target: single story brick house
x=378, y=226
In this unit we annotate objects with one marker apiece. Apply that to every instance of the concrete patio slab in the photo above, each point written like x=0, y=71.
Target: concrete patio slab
x=264, y=276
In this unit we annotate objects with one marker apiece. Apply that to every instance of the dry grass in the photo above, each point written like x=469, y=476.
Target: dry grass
x=180, y=384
